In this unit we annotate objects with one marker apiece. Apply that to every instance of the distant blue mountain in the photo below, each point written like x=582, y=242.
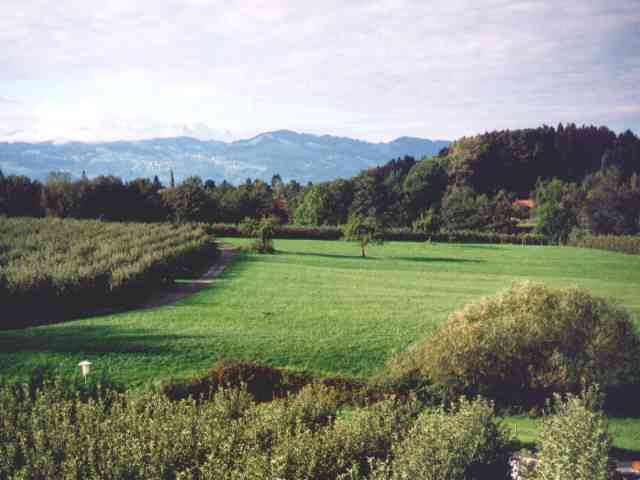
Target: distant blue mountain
x=299, y=156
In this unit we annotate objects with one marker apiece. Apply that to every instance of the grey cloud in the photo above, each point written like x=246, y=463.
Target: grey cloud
x=370, y=66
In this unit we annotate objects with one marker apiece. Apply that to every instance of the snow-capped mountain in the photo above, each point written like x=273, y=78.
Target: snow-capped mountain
x=299, y=156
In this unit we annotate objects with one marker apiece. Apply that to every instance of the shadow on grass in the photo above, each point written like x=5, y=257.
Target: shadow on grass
x=183, y=287
x=89, y=339
x=517, y=445
x=438, y=259
x=624, y=454
x=476, y=246
x=332, y=255
x=373, y=258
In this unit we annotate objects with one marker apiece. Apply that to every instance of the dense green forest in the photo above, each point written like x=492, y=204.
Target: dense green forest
x=582, y=179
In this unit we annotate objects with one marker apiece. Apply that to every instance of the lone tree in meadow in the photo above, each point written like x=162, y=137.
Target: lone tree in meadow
x=364, y=230
x=261, y=231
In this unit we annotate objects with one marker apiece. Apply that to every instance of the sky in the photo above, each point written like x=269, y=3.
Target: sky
x=374, y=70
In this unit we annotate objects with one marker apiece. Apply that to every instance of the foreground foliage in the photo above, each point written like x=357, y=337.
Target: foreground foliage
x=50, y=433
x=463, y=443
x=51, y=428
x=574, y=442
x=523, y=344
x=66, y=267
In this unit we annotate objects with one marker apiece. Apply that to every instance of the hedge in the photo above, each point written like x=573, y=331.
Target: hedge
x=394, y=234
x=54, y=269
x=49, y=433
x=466, y=236
x=615, y=243
x=282, y=231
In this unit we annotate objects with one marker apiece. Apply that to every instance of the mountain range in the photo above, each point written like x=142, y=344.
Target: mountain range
x=300, y=156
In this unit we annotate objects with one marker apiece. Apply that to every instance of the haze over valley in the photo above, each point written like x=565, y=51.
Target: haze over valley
x=300, y=156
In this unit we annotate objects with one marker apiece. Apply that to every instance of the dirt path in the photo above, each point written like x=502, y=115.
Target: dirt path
x=178, y=291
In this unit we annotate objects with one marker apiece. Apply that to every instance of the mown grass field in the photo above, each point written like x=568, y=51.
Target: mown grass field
x=314, y=305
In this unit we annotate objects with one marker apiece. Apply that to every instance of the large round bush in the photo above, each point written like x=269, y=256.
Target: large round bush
x=522, y=344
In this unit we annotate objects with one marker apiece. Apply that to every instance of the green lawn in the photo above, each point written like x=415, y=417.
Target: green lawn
x=315, y=305
x=625, y=433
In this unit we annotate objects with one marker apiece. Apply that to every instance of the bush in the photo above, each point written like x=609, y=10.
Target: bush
x=615, y=243
x=56, y=269
x=266, y=383
x=462, y=444
x=391, y=234
x=465, y=236
x=282, y=231
x=147, y=436
x=262, y=382
x=310, y=233
x=364, y=230
x=428, y=222
x=261, y=231
x=574, y=442
x=524, y=343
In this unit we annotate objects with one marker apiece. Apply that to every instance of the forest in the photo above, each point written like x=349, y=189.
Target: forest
x=580, y=179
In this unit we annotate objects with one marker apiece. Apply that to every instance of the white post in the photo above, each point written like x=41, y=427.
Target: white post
x=85, y=368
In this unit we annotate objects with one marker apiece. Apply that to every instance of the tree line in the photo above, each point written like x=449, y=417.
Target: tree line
x=580, y=177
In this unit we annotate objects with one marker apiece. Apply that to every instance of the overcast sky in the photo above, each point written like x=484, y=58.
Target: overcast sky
x=376, y=70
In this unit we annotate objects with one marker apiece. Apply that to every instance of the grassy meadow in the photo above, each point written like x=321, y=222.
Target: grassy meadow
x=314, y=305
x=317, y=305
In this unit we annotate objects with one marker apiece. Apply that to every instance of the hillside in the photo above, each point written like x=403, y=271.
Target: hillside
x=514, y=160
x=299, y=156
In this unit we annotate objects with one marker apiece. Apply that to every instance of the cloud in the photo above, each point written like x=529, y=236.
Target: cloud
x=628, y=109
x=370, y=69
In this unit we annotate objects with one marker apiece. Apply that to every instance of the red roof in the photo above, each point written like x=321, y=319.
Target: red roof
x=525, y=202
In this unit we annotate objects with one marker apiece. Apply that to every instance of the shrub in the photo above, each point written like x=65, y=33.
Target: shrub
x=261, y=231
x=226, y=230
x=522, y=344
x=391, y=234
x=266, y=383
x=428, y=222
x=282, y=231
x=466, y=236
x=615, y=243
x=56, y=269
x=310, y=233
x=145, y=436
x=364, y=230
x=574, y=442
x=462, y=444
x=347, y=444
x=262, y=382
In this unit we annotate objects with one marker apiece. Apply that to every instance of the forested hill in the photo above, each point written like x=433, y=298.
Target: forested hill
x=588, y=176
x=299, y=156
x=513, y=160
x=583, y=178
